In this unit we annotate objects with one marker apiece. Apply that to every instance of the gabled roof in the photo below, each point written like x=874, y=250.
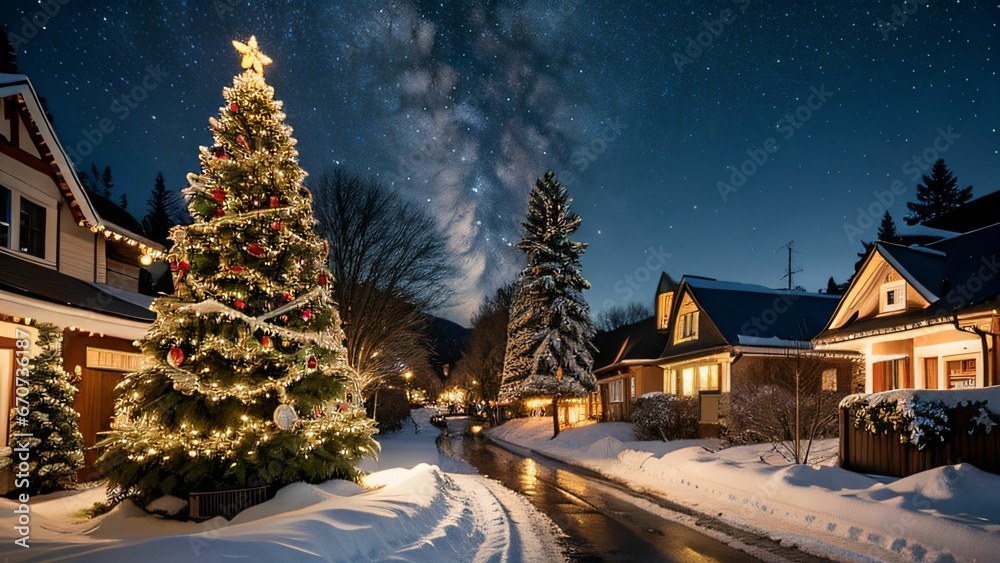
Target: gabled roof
x=976, y=214
x=953, y=274
x=666, y=284
x=779, y=313
x=631, y=344
x=939, y=269
x=63, y=173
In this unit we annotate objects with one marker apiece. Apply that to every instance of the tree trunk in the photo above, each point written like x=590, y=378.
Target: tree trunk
x=555, y=416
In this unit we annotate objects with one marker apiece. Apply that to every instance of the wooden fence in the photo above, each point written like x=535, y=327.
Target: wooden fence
x=883, y=454
x=225, y=503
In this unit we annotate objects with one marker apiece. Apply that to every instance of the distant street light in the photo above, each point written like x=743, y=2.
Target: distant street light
x=408, y=375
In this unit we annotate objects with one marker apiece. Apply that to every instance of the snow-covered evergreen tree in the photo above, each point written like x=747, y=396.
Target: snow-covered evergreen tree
x=938, y=194
x=244, y=380
x=55, y=447
x=549, y=337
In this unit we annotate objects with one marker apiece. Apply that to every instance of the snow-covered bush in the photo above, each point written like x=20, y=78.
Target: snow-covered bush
x=662, y=416
x=918, y=420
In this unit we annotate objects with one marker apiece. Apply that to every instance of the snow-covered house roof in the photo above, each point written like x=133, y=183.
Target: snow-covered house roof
x=952, y=275
x=635, y=344
x=748, y=310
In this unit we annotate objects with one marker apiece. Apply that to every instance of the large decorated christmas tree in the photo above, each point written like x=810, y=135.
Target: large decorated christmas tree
x=244, y=380
x=549, y=350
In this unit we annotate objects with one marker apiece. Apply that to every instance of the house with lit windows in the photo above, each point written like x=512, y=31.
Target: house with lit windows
x=626, y=367
x=718, y=332
x=63, y=262
x=924, y=317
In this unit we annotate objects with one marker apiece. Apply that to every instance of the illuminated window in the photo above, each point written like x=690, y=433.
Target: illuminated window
x=708, y=378
x=893, y=297
x=687, y=382
x=665, y=301
x=830, y=379
x=688, y=327
x=631, y=381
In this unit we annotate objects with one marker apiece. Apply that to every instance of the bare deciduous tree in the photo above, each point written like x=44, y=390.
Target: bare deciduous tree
x=390, y=266
x=482, y=362
x=787, y=402
x=617, y=316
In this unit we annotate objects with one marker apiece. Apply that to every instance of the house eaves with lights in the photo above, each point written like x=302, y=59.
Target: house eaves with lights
x=63, y=262
x=925, y=317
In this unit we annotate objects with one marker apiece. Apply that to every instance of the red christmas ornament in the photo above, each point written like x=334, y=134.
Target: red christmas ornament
x=219, y=151
x=176, y=356
x=276, y=226
x=322, y=279
x=219, y=212
x=275, y=202
x=255, y=250
x=233, y=108
x=286, y=296
x=307, y=314
x=181, y=266
x=240, y=304
x=237, y=269
x=243, y=142
x=219, y=195
x=312, y=362
x=265, y=341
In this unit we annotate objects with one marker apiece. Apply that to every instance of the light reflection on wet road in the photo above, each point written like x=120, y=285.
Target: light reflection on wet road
x=600, y=521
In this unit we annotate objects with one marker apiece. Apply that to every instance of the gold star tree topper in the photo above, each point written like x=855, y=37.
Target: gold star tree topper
x=252, y=57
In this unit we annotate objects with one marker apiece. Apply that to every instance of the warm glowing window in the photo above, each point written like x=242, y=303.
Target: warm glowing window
x=708, y=378
x=687, y=381
x=893, y=297
x=688, y=329
x=830, y=379
x=665, y=301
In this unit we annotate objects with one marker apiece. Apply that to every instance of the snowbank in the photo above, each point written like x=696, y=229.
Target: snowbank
x=943, y=514
x=413, y=512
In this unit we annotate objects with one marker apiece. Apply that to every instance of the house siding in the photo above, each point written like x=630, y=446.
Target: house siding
x=76, y=252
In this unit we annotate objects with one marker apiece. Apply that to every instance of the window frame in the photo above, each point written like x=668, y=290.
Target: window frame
x=898, y=290
x=687, y=327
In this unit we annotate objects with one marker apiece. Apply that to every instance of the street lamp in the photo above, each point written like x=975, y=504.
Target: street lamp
x=408, y=375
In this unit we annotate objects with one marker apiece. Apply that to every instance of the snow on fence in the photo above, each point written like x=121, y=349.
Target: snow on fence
x=893, y=452
x=226, y=503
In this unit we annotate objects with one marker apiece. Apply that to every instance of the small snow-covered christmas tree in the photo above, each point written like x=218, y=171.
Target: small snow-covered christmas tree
x=55, y=445
x=549, y=337
x=244, y=380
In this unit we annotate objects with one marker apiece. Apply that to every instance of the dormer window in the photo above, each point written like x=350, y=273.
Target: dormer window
x=688, y=327
x=892, y=297
x=664, y=302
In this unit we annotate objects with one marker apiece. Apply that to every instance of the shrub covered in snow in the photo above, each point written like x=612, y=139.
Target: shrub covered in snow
x=921, y=419
x=662, y=416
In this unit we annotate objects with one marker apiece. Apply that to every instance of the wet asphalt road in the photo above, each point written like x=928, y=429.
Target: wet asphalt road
x=599, y=518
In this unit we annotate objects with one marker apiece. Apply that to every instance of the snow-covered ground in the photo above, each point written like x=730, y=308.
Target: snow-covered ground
x=946, y=514
x=414, y=506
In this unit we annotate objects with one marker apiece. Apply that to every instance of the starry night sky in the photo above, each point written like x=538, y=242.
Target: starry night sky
x=461, y=105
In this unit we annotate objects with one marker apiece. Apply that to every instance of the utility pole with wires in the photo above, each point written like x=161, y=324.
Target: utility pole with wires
x=790, y=270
